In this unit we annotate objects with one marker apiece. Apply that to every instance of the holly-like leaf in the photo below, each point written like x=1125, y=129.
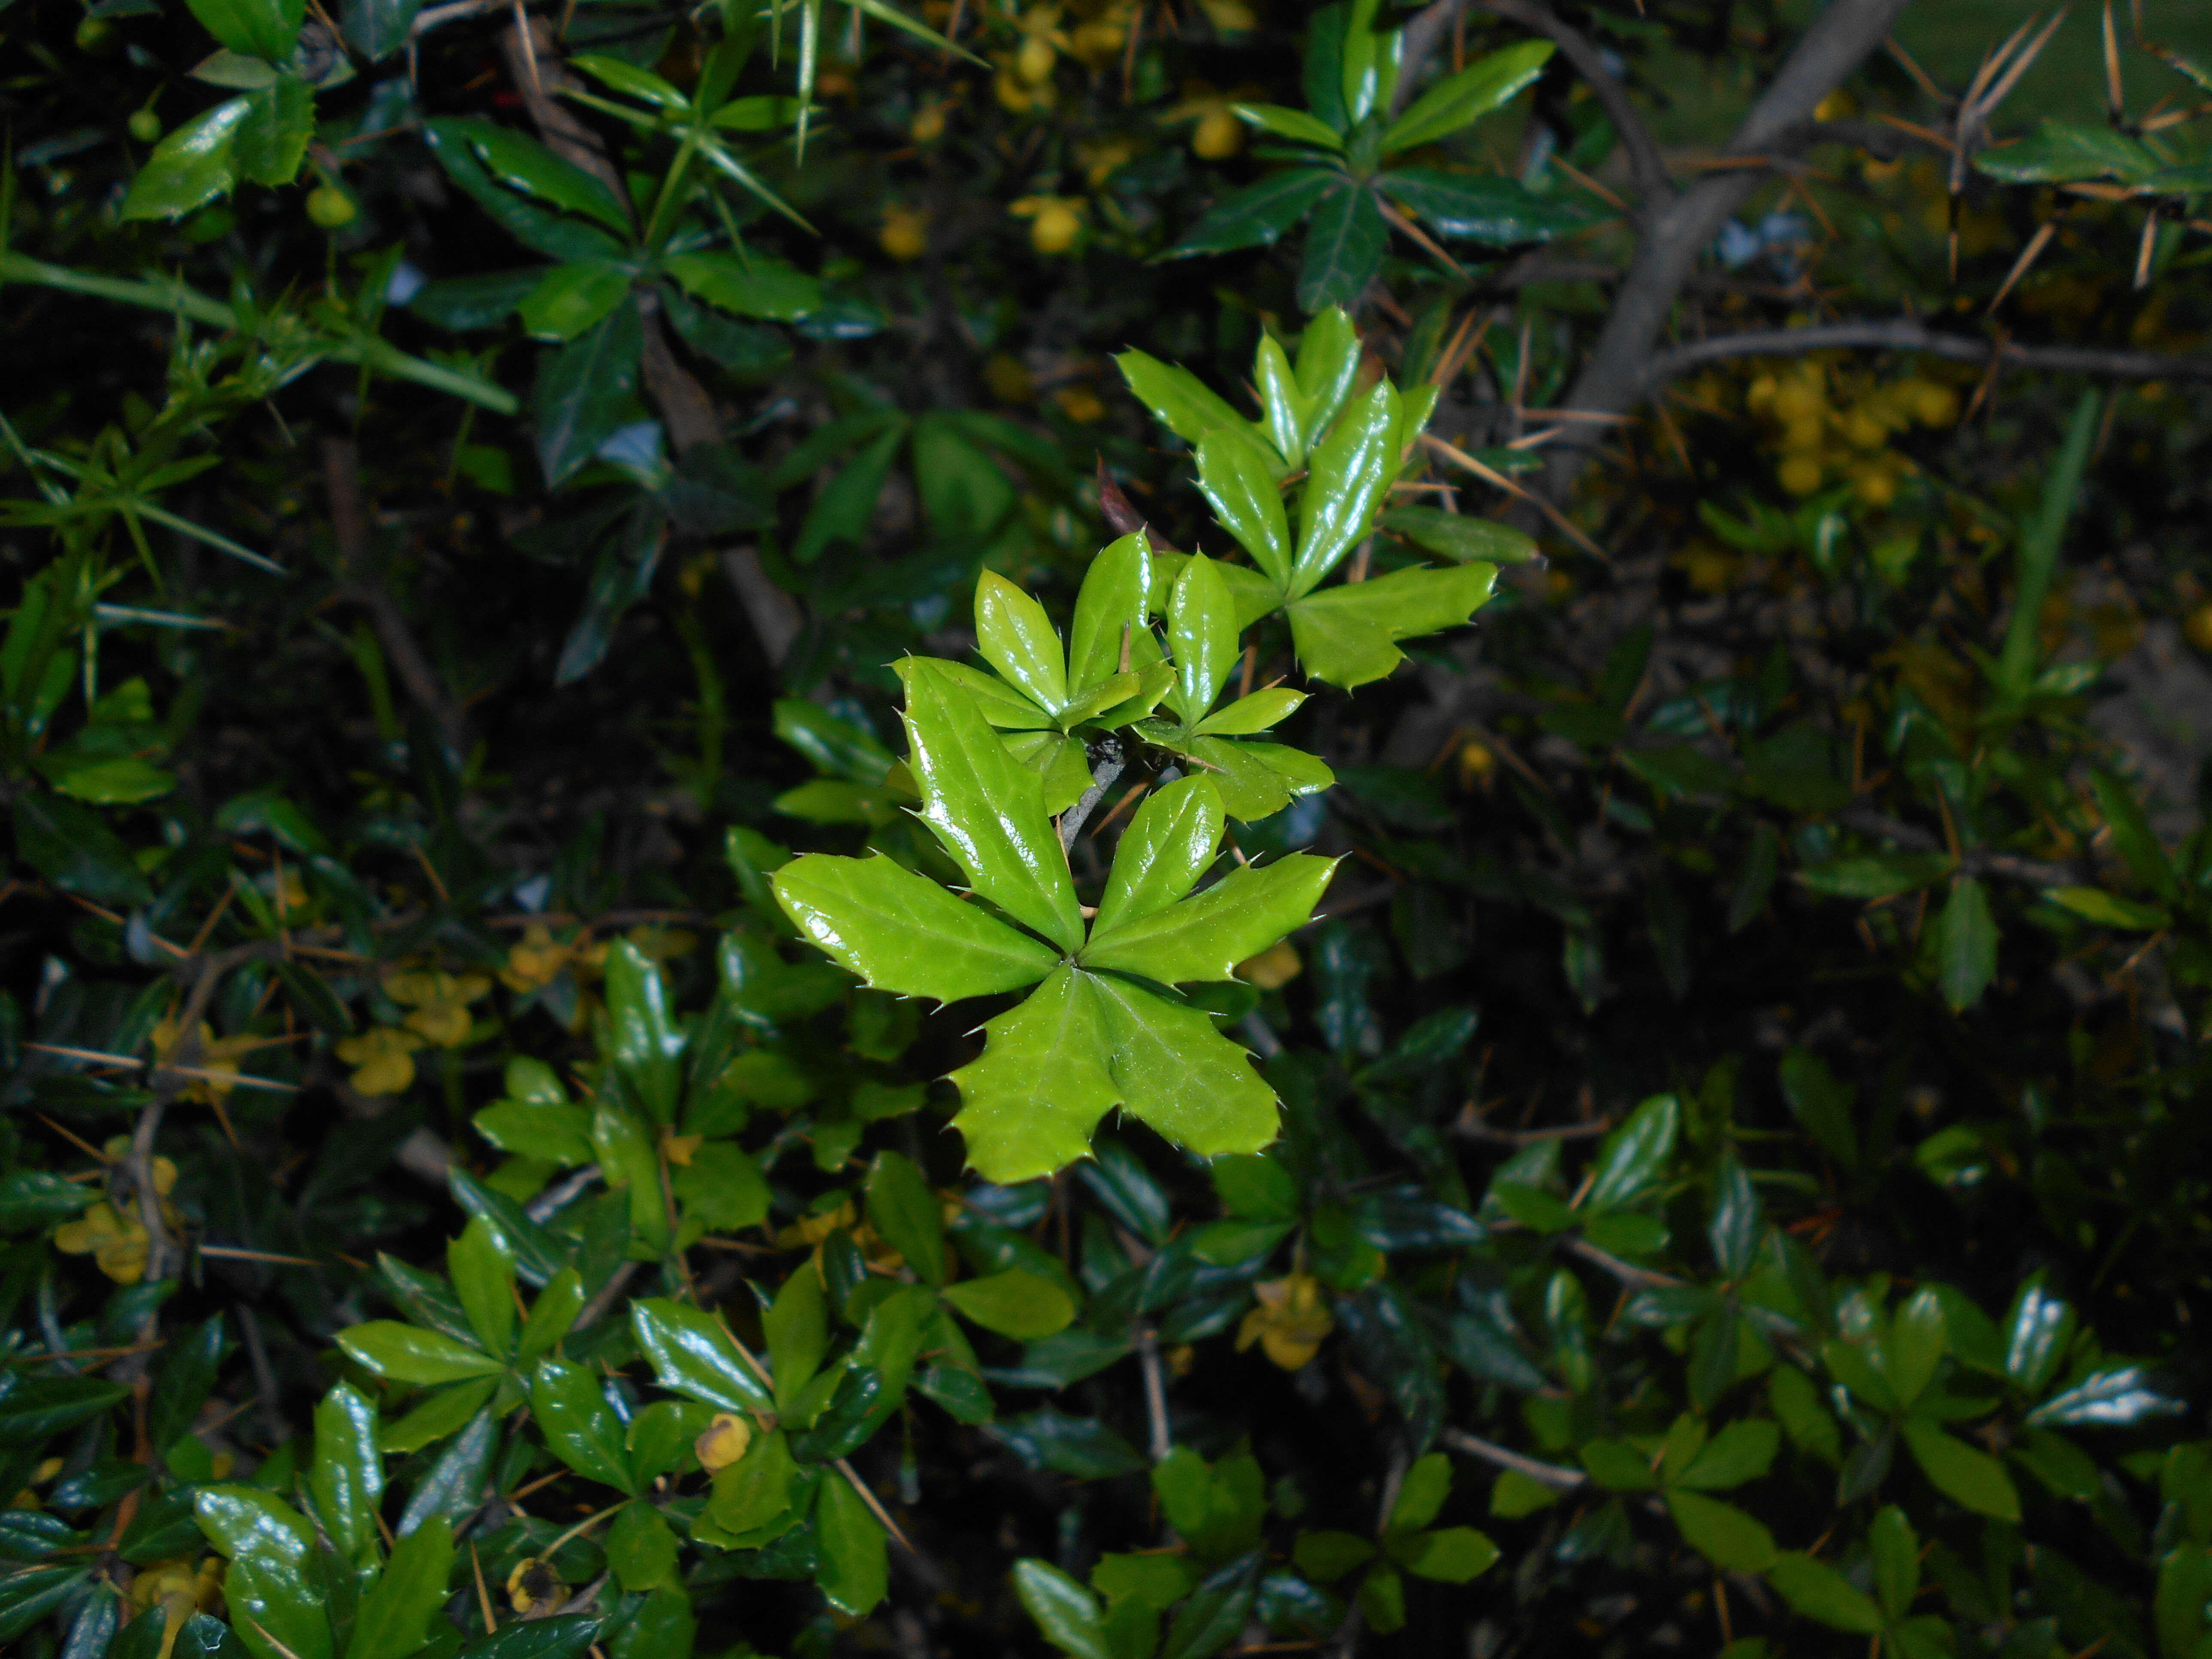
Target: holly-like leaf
x=1261, y=712
x=578, y=1425
x=1110, y=615
x=902, y=932
x=268, y=29
x=1205, y=937
x=1721, y=1533
x=190, y=166
x=1350, y=474
x=569, y=298
x=1256, y=780
x=1239, y=480
x=1024, y=1305
x=1179, y=400
x=1202, y=629
x=1344, y=246
x=395, y=1614
x=346, y=1476
x=1167, y=846
x=1065, y=1612
x=1459, y=99
x=1181, y=1076
x=272, y=139
x=1019, y=640
x=753, y=286
x=987, y=811
x=1822, y=1592
x=1029, y=1102
x=1467, y=207
x=1347, y=634
x=1961, y=1471
x=584, y=391
x=1294, y=124
x=408, y=1353
x=275, y=1612
x=1256, y=216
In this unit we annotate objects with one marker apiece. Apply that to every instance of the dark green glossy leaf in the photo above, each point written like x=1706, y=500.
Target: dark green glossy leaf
x=1256, y=216
x=1344, y=247
x=586, y=391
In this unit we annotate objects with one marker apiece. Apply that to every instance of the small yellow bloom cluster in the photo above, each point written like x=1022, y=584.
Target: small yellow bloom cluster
x=905, y=235
x=180, y=1588
x=440, y=1003
x=535, y=960
x=218, y=1056
x=1058, y=221
x=1216, y=133
x=1832, y=423
x=111, y=1234
x=1290, y=1323
x=383, y=1057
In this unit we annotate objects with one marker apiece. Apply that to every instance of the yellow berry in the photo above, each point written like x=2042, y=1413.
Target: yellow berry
x=1863, y=430
x=1800, y=474
x=1055, y=227
x=1081, y=404
x=905, y=233
x=2199, y=627
x=1218, y=136
x=94, y=35
x=1098, y=43
x=1033, y=62
x=1799, y=400
x=331, y=207
x=1876, y=485
x=928, y=124
x=1801, y=436
x=1934, y=405
x=145, y=126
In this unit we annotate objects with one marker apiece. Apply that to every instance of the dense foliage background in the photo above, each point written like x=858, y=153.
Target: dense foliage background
x=1744, y=1178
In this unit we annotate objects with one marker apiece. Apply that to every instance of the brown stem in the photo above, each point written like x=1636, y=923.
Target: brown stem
x=1673, y=237
x=686, y=411
x=365, y=587
x=1910, y=335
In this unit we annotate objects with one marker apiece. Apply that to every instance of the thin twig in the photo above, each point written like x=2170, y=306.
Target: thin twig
x=1156, y=1393
x=1910, y=335
x=1548, y=1475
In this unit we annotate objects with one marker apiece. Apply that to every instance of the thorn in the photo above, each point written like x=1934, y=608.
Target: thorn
x=2115, y=95
x=2028, y=256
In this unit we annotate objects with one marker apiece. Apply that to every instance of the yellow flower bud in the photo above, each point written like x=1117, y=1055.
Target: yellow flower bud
x=382, y=1058
x=1033, y=62
x=1056, y=229
x=1862, y=430
x=1874, y=485
x=1217, y=135
x=1273, y=968
x=723, y=1442
x=1290, y=1323
x=905, y=235
x=1800, y=474
x=1932, y=405
x=534, y=960
x=1799, y=399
